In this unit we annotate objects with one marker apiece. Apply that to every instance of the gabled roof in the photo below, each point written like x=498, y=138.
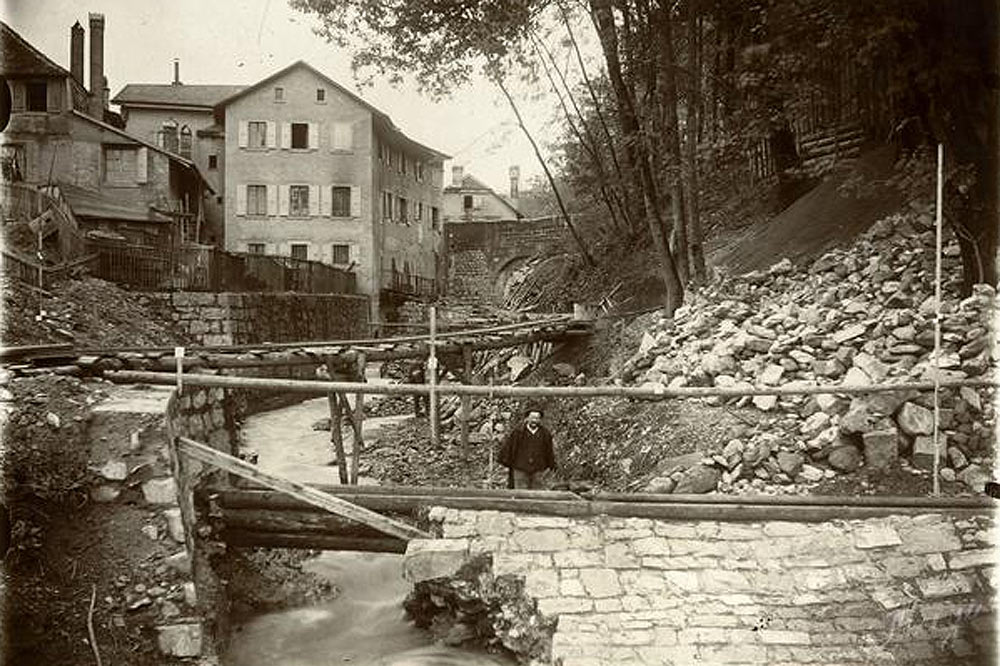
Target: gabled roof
x=19, y=58
x=472, y=185
x=382, y=120
x=168, y=94
x=152, y=146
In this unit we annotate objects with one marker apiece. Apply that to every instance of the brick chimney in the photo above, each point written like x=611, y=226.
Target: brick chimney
x=177, y=72
x=76, y=53
x=97, y=82
x=515, y=178
x=456, y=176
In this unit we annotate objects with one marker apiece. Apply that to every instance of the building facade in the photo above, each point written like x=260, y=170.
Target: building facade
x=180, y=118
x=60, y=134
x=468, y=200
x=313, y=171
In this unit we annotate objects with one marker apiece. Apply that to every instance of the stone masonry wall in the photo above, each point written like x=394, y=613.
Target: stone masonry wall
x=904, y=589
x=479, y=251
x=247, y=318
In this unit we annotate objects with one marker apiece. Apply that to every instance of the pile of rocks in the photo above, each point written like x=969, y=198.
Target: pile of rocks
x=864, y=314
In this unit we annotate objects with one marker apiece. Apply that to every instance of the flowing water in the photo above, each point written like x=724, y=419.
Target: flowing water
x=366, y=624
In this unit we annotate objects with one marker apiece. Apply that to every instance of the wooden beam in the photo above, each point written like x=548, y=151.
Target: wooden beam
x=337, y=436
x=311, y=541
x=312, y=521
x=313, y=387
x=297, y=490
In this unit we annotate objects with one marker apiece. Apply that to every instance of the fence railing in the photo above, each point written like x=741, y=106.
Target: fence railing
x=21, y=201
x=409, y=284
x=210, y=269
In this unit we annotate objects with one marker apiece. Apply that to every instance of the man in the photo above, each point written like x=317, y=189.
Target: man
x=528, y=452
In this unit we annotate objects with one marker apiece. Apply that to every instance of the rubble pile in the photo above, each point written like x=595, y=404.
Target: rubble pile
x=864, y=314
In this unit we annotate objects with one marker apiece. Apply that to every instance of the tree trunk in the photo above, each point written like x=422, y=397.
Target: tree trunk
x=548, y=174
x=678, y=192
x=604, y=22
x=696, y=250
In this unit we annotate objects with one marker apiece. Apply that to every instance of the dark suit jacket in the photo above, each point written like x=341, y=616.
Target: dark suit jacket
x=528, y=453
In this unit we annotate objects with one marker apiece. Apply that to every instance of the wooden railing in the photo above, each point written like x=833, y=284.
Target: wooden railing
x=409, y=284
x=209, y=269
x=21, y=201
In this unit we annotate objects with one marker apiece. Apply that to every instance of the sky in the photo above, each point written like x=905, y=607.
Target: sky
x=243, y=41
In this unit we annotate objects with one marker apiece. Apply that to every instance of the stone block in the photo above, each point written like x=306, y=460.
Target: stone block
x=724, y=582
x=600, y=582
x=931, y=538
x=572, y=587
x=703, y=635
x=426, y=559
x=845, y=458
x=619, y=556
x=972, y=558
x=881, y=448
x=777, y=528
x=560, y=605
x=944, y=586
x=578, y=558
x=542, y=583
x=923, y=451
x=651, y=546
x=876, y=535
x=180, y=640
x=179, y=562
x=160, y=491
x=915, y=420
x=175, y=526
x=542, y=540
x=684, y=581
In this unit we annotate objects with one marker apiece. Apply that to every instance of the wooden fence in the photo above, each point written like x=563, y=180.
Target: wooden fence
x=210, y=269
x=405, y=283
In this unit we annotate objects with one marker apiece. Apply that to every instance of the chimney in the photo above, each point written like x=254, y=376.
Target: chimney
x=97, y=82
x=76, y=52
x=456, y=176
x=515, y=177
x=177, y=72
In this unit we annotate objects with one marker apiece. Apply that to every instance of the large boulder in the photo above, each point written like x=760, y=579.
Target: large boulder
x=845, y=458
x=881, y=448
x=915, y=420
x=698, y=479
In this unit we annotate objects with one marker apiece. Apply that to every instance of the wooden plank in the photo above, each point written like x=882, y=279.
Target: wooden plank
x=337, y=436
x=357, y=422
x=297, y=521
x=311, y=541
x=298, y=490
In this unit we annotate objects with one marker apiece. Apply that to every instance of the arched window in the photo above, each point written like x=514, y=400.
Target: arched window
x=185, y=148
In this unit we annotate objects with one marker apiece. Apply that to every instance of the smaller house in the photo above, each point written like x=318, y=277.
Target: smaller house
x=59, y=135
x=468, y=200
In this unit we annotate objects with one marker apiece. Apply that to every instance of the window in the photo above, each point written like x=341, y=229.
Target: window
x=320, y=94
x=213, y=161
x=402, y=163
x=256, y=248
x=418, y=171
x=299, y=198
x=467, y=202
x=256, y=134
x=300, y=135
x=38, y=96
x=300, y=250
x=256, y=199
x=341, y=254
x=387, y=205
x=167, y=137
x=402, y=209
x=120, y=165
x=185, y=142
x=279, y=94
x=435, y=218
x=420, y=211
x=341, y=200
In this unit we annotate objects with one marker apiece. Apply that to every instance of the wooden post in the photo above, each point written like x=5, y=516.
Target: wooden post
x=466, y=407
x=432, y=407
x=358, y=420
x=336, y=436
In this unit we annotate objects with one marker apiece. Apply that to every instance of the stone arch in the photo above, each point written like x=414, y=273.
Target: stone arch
x=504, y=272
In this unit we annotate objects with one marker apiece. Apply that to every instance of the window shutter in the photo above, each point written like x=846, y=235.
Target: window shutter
x=343, y=138
x=286, y=135
x=244, y=134
x=272, y=199
x=313, y=136
x=272, y=134
x=20, y=96
x=314, y=200
x=327, y=201
x=477, y=201
x=355, y=201
x=241, y=199
x=353, y=253
x=283, y=200
x=420, y=233
x=141, y=165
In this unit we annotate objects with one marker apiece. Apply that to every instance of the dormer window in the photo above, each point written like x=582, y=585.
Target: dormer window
x=279, y=94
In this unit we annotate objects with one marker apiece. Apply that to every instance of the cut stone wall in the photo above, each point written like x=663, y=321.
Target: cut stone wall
x=248, y=318
x=904, y=589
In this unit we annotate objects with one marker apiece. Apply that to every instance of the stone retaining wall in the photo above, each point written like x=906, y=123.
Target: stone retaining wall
x=905, y=589
x=247, y=318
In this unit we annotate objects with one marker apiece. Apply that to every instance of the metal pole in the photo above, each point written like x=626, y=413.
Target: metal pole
x=432, y=374
x=937, y=318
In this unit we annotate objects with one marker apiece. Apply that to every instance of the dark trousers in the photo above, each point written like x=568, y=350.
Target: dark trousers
x=527, y=480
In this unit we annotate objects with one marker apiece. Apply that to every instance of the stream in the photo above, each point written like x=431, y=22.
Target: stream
x=366, y=624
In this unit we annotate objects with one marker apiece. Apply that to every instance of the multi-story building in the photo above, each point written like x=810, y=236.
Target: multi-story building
x=315, y=172
x=59, y=134
x=180, y=118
